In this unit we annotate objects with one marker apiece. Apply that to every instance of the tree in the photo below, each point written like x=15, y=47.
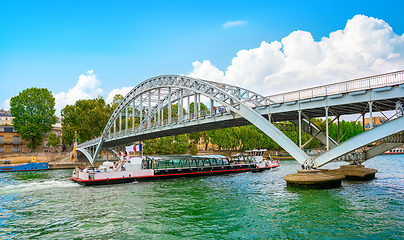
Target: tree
x=347, y=129
x=87, y=118
x=116, y=100
x=166, y=145
x=150, y=146
x=34, y=114
x=194, y=149
x=180, y=144
x=53, y=141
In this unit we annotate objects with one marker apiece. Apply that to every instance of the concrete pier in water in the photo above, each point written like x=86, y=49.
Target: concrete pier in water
x=315, y=178
x=324, y=178
x=356, y=172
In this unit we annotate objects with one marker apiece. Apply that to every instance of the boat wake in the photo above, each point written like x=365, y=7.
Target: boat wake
x=34, y=186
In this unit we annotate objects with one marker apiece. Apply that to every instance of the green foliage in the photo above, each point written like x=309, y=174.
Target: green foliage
x=34, y=113
x=192, y=109
x=347, y=129
x=194, y=149
x=53, y=141
x=86, y=117
x=226, y=138
x=250, y=137
x=194, y=137
x=150, y=147
x=180, y=144
x=116, y=100
x=166, y=145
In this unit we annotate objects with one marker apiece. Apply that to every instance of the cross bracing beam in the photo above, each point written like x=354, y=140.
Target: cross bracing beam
x=317, y=133
x=386, y=129
x=242, y=93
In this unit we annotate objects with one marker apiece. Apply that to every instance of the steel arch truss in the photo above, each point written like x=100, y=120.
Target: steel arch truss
x=145, y=105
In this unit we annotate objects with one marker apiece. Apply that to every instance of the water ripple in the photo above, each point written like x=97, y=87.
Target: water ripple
x=46, y=205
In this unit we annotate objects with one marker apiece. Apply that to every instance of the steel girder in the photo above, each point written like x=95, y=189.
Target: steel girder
x=211, y=90
x=381, y=149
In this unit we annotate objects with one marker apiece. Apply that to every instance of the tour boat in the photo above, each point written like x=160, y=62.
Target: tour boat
x=394, y=151
x=7, y=167
x=160, y=167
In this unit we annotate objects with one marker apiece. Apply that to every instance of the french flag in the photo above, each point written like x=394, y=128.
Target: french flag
x=138, y=148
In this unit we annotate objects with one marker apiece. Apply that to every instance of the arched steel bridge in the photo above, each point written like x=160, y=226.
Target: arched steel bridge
x=149, y=108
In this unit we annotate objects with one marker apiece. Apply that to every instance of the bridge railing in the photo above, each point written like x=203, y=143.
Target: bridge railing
x=367, y=83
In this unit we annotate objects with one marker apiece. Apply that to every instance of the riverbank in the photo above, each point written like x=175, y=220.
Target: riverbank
x=34, y=157
x=55, y=160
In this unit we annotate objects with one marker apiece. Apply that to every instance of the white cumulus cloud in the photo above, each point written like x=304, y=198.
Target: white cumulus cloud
x=6, y=104
x=366, y=46
x=234, y=24
x=123, y=91
x=86, y=88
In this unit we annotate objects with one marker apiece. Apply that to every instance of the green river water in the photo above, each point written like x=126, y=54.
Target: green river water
x=47, y=205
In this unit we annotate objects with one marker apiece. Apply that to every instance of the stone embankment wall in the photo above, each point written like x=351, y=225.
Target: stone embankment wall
x=34, y=157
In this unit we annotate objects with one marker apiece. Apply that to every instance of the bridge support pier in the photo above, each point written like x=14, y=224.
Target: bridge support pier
x=356, y=172
x=315, y=178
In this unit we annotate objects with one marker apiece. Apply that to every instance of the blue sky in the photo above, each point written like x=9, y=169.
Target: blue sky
x=54, y=44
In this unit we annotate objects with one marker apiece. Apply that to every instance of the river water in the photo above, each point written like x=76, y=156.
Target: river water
x=47, y=205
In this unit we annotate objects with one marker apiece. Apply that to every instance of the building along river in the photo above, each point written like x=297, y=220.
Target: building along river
x=249, y=205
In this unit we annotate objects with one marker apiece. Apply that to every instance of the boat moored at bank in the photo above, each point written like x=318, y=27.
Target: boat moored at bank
x=6, y=166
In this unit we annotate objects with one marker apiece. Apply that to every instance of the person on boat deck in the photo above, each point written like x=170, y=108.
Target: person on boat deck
x=85, y=170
